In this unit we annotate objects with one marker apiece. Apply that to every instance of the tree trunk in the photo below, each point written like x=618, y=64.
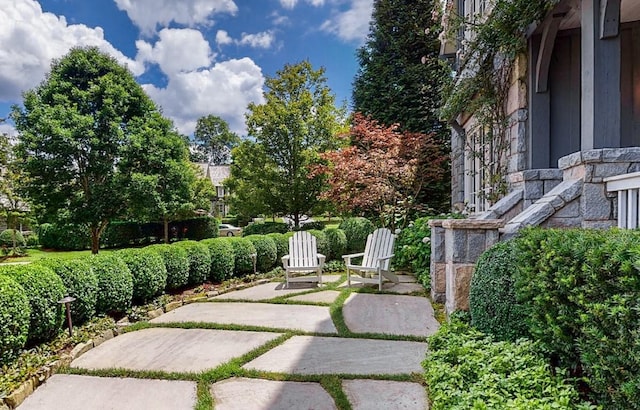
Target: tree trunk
x=296, y=220
x=165, y=221
x=95, y=240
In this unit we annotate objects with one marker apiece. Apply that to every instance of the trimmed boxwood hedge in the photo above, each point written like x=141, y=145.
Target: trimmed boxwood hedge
x=148, y=272
x=263, y=228
x=242, y=251
x=222, y=259
x=80, y=282
x=267, y=252
x=322, y=243
x=337, y=243
x=176, y=261
x=43, y=289
x=115, y=283
x=282, y=244
x=199, y=260
x=492, y=298
x=67, y=237
x=14, y=318
x=356, y=229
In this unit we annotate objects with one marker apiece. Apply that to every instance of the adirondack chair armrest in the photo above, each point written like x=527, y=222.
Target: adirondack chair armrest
x=347, y=258
x=321, y=259
x=285, y=261
x=382, y=258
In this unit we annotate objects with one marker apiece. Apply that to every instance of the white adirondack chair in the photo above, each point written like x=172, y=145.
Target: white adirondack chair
x=375, y=260
x=303, y=259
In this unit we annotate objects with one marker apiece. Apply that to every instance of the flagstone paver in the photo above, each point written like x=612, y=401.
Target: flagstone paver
x=256, y=394
x=325, y=296
x=390, y=314
x=172, y=350
x=332, y=355
x=385, y=394
x=399, y=288
x=73, y=392
x=266, y=291
x=294, y=317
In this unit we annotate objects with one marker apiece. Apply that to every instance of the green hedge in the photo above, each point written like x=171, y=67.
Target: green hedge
x=80, y=282
x=14, y=318
x=115, y=283
x=176, y=262
x=148, y=272
x=581, y=289
x=266, y=250
x=356, y=229
x=199, y=260
x=315, y=225
x=44, y=289
x=6, y=238
x=492, y=298
x=282, y=245
x=337, y=243
x=67, y=237
x=263, y=228
x=222, y=260
x=242, y=251
x=322, y=243
x=464, y=369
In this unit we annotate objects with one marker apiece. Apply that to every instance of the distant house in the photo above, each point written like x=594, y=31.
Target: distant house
x=217, y=174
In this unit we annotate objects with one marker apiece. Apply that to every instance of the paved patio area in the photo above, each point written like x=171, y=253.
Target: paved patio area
x=309, y=350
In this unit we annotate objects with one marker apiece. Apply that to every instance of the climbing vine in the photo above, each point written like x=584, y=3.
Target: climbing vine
x=490, y=41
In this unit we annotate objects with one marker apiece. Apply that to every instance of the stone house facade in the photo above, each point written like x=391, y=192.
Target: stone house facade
x=217, y=174
x=574, y=124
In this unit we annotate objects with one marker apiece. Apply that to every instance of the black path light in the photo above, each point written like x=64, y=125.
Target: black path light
x=67, y=303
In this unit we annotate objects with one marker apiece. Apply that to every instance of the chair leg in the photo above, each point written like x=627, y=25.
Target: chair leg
x=348, y=278
x=379, y=281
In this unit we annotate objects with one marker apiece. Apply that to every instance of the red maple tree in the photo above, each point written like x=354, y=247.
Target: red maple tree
x=382, y=170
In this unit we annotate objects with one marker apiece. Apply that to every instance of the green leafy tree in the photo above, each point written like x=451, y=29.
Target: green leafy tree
x=214, y=141
x=298, y=120
x=75, y=131
x=400, y=74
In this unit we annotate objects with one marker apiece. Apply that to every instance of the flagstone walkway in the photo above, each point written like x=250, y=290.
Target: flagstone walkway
x=284, y=340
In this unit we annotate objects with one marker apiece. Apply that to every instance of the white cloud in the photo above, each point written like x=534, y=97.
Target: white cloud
x=8, y=129
x=223, y=38
x=259, y=40
x=31, y=39
x=148, y=14
x=290, y=4
x=176, y=50
x=224, y=90
x=353, y=24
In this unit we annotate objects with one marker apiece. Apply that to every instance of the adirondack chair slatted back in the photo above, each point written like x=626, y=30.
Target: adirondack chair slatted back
x=379, y=244
x=302, y=250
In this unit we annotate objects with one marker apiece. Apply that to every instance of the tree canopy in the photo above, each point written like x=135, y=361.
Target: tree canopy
x=214, y=141
x=298, y=120
x=83, y=133
x=400, y=76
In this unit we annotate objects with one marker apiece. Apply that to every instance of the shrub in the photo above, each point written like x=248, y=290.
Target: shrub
x=115, y=283
x=14, y=318
x=176, y=262
x=322, y=243
x=148, y=272
x=199, y=260
x=6, y=238
x=337, y=243
x=80, y=282
x=282, y=244
x=121, y=233
x=466, y=370
x=242, y=251
x=356, y=229
x=581, y=289
x=222, y=260
x=263, y=228
x=266, y=250
x=198, y=228
x=32, y=240
x=68, y=237
x=43, y=289
x=492, y=298
x=315, y=225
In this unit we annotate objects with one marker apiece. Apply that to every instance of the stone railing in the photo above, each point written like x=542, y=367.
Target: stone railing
x=627, y=187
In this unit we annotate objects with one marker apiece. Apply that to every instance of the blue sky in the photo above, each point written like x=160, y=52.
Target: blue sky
x=193, y=57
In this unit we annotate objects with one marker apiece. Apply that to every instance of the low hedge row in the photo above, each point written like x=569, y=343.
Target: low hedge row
x=263, y=228
x=356, y=230
x=577, y=292
x=465, y=369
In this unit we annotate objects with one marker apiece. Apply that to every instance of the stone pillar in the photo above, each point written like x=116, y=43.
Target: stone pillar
x=600, y=106
x=465, y=240
x=438, y=264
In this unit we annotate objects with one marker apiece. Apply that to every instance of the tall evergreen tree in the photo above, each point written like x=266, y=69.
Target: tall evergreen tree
x=400, y=76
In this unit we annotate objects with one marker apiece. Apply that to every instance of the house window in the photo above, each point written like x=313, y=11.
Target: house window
x=220, y=191
x=476, y=156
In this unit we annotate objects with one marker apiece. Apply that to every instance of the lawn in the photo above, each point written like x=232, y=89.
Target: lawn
x=37, y=254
